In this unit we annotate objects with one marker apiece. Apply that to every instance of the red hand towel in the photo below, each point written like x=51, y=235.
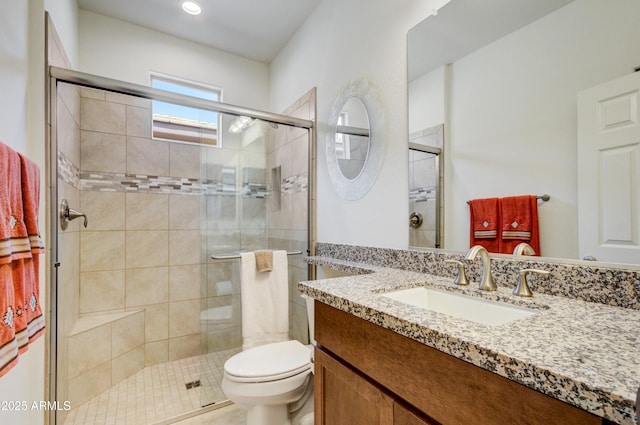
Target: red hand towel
x=14, y=240
x=14, y=246
x=484, y=226
x=519, y=223
x=20, y=275
x=8, y=344
x=30, y=175
x=30, y=275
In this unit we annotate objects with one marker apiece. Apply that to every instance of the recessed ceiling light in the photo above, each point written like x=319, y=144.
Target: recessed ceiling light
x=191, y=7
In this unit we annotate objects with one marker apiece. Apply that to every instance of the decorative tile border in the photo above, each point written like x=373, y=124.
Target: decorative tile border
x=255, y=190
x=125, y=182
x=295, y=184
x=422, y=194
x=67, y=171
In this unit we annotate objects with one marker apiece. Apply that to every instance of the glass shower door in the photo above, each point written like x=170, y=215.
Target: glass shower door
x=144, y=318
x=257, y=198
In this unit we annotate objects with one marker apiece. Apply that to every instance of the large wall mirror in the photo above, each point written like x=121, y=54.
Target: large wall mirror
x=504, y=76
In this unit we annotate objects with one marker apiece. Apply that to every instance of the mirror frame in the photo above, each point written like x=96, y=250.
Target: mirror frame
x=357, y=188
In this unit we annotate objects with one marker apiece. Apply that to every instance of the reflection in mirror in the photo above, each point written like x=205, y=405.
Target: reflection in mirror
x=352, y=138
x=355, y=139
x=510, y=102
x=425, y=190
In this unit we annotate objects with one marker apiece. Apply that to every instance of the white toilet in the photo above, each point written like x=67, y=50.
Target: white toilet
x=272, y=381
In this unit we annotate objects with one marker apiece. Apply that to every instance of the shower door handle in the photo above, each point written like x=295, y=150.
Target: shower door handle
x=67, y=214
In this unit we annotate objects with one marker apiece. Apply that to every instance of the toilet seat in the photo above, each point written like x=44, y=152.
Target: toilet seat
x=269, y=362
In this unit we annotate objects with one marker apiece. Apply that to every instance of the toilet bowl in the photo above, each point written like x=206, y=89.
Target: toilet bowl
x=266, y=379
x=272, y=380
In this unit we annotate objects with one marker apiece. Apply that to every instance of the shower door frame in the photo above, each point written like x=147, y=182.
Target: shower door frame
x=61, y=75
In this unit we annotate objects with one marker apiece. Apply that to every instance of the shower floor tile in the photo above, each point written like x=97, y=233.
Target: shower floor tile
x=156, y=393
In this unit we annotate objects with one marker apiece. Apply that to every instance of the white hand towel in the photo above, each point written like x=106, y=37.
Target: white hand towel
x=265, y=301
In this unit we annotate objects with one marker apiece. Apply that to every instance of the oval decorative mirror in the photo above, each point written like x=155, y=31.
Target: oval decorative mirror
x=355, y=139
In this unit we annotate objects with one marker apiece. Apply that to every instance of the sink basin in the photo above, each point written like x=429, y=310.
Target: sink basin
x=461, y=306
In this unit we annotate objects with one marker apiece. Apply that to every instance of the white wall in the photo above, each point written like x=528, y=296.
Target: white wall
x=341, y=41
x=427, y=100
x=513, y=114
x=22, y=128
x=349, y=39
x=64, y=14
x=116, y=49
x=14, y=62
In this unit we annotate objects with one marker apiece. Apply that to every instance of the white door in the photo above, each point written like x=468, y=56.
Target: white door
x=609, y=171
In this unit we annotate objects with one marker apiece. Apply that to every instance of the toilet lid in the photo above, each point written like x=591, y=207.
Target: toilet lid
x=269, y=362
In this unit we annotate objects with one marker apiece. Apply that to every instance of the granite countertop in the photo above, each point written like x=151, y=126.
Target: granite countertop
x=583, y=353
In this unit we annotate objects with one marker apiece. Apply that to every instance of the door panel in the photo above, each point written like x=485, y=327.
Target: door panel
x=404, y=415
x=609, y=170
x=344, y=397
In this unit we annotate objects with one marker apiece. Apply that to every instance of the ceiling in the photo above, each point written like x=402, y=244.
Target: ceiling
x=256, y=29
x=463, y=26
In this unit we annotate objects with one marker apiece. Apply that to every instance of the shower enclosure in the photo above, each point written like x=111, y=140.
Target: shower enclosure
x=145, y=294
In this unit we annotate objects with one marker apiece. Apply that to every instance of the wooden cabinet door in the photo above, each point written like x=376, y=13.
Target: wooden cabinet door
x=343, y=397
x=403, y=415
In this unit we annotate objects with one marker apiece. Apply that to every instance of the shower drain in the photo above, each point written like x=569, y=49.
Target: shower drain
x=193, y=384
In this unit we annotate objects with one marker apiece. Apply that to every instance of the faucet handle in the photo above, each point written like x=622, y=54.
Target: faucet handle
x=522, y=288
x=461, y=277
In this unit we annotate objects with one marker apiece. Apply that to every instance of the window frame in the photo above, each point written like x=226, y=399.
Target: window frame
x=180, y=122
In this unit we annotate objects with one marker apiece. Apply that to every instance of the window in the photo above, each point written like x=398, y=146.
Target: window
x=181, y=123
x=343, y=145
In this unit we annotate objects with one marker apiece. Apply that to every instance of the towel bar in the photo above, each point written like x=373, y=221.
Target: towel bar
x=543, y=198
x=234, y=256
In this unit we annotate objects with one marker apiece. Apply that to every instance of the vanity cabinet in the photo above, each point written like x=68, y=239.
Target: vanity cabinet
x=344, y=396
x=366, y=374
x=404, y=415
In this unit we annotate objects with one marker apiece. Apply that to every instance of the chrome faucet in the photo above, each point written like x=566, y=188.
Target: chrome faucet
x=486, y=283
x=523, y=248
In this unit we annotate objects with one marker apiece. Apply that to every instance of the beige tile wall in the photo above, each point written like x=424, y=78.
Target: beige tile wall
x=141, y=251
x=103, y=353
